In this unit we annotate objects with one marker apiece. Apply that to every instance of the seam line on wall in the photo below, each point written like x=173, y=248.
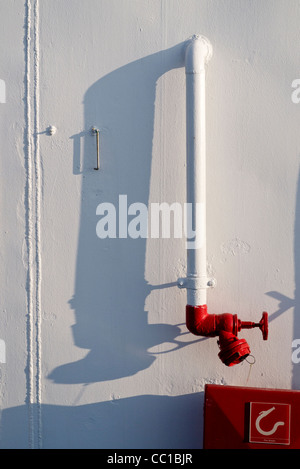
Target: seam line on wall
x=38, y=213
x=32, y=215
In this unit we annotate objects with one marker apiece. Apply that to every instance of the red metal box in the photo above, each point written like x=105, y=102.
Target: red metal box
x=244, y=418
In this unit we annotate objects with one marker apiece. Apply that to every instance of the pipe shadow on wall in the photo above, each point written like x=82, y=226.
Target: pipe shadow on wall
x=147, y=421
x=293, y=304
x=110, y=289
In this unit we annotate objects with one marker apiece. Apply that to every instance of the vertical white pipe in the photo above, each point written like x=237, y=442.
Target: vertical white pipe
x=197, y=55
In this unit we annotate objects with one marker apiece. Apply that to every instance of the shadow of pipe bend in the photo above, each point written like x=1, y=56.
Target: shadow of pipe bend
x=110, y=289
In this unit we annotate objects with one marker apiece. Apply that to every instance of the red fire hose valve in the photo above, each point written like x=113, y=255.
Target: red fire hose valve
x=232, y=349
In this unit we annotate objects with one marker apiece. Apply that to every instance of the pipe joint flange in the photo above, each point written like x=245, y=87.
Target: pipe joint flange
x=196, y=283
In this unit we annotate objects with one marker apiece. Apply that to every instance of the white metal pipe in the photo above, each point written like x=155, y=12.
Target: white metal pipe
x=198, y=53
x=198, y=321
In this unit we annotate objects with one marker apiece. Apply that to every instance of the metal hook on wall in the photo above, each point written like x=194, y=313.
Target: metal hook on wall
x=96, y=132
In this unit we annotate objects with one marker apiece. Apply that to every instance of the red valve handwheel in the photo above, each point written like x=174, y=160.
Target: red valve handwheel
x=264, y=325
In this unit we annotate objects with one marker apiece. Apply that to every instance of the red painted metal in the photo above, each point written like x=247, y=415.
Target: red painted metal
x=232, y=349
x=226, y=326
x=238, y=417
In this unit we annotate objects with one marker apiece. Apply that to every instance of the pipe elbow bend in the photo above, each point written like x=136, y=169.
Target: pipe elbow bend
x=199, y=322
x=198, y=53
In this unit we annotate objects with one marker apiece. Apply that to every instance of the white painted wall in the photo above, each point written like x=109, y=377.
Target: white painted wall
x=97, y=353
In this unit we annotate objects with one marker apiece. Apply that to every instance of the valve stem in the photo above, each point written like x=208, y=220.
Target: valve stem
x=262, y=324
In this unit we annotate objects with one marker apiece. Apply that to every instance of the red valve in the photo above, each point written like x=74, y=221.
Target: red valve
x=226, y=326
